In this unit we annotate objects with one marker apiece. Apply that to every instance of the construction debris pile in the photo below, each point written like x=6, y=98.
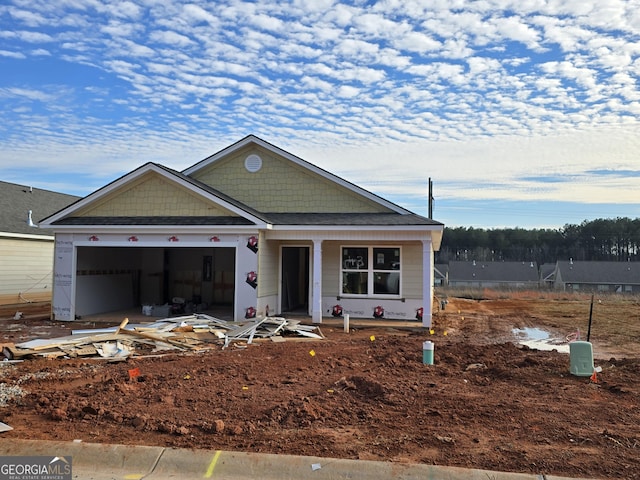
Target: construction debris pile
x=187, y=333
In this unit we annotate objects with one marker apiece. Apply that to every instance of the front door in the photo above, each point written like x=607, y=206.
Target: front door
x=294, y=286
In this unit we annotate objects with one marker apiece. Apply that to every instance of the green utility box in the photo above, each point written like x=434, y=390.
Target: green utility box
x=581, y=358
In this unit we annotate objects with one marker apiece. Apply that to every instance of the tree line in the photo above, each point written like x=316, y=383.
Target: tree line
x=601, y=239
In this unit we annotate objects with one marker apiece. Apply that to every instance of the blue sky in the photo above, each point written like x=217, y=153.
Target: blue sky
x=524, y=113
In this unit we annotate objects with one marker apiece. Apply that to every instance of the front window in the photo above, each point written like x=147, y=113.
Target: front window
x=371, y=271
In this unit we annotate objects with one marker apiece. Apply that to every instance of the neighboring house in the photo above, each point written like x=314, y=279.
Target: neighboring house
x=252, y=227
x=493, y=274
x=441, y=275
x=547, y=275
x=26, y=251
x=619, y=277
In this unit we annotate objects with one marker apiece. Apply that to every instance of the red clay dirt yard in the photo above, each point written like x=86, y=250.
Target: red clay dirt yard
x=486, y=403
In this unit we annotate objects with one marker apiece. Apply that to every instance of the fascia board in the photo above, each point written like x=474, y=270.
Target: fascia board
x=26, y=236
x=362, y=228
x=158, y=228
x=251, y=139
x=124, y=243
x=337, y=232
x=136, y=174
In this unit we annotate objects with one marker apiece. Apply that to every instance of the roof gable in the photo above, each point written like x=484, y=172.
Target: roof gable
x=152, y=194
x=147, y=192
x=272, y=180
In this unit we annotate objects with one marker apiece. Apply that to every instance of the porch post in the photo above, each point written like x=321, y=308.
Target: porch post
x=316, y=297
x=427, y=282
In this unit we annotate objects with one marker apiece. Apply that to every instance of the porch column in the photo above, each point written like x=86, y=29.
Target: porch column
x=316, y=295
x=427, y=282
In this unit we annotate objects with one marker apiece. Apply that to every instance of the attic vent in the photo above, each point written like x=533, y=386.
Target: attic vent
x=253, y=163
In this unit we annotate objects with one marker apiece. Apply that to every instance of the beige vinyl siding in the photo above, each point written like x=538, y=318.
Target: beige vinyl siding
x=331, y=281
x=412, y=270
x=26, y=267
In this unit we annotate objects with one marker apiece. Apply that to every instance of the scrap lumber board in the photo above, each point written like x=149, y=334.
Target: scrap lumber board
x=304, y=333
x=244, y=329
x=92, y=331
x=83, y=351
x=184, y=333
x=4, y=427
x=157, y=338
x=242, y=332
x=44, y=343
x=7, y=349
x=11, y=352
x=122, y=325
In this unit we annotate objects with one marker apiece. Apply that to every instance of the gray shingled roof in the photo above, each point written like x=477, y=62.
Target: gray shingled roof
x=303, y=219
x=493, y=271
x=602, y=273
x=356, y=219
x=16, y=201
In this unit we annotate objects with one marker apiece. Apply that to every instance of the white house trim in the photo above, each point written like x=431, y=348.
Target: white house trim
x=316, y=309
x=24, y=236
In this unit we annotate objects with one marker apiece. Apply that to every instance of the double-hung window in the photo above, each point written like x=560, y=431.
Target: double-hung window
x=371, y=271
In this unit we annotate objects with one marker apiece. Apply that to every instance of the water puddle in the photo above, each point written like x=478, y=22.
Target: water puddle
x=540, y=339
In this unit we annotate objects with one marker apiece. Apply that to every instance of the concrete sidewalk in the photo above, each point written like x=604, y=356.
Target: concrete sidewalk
x=91, y=461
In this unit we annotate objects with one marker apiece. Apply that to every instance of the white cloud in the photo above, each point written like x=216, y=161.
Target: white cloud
x=346, y=91
x=8, y=54
x=513, y=28
x=34, y=37
x=40, y=52
x=268, y=23
x=197, y=14
x=171, y=38
x=126, y=10
x=416, y=42
x=119, y=29
x=479, y=94
x=28, y=18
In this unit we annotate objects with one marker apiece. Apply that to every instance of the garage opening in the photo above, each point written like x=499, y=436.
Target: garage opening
x=110, y=279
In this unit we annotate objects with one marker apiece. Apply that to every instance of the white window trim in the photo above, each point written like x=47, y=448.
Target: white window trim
x=370, y=272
